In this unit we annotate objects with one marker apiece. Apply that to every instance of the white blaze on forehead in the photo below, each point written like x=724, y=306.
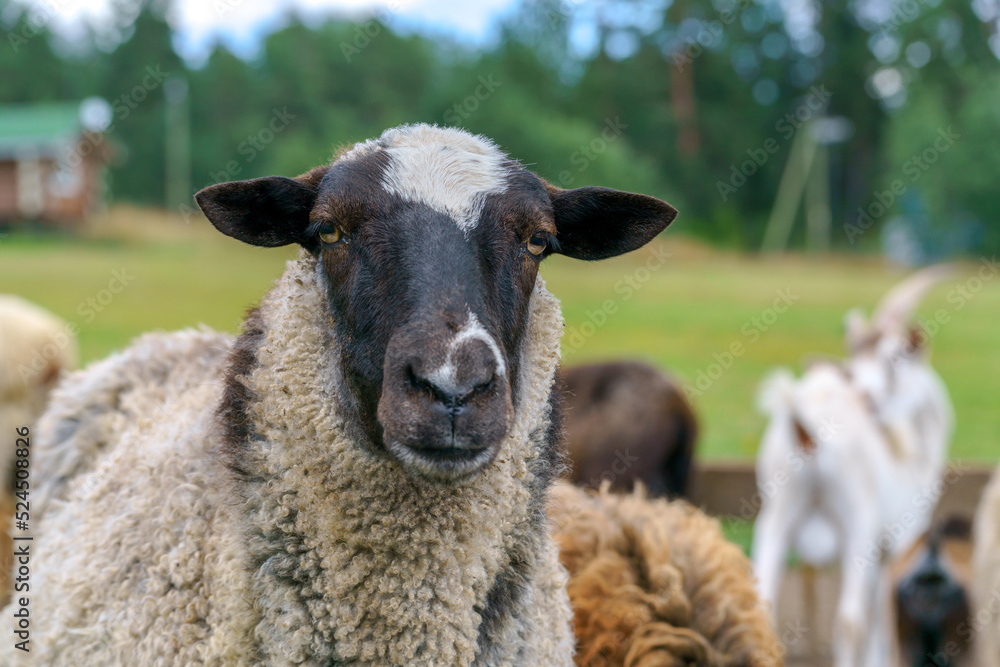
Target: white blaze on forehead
x=445, y=377
x=448, y=169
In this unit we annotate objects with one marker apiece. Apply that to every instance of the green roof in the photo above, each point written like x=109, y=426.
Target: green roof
x=44, y=128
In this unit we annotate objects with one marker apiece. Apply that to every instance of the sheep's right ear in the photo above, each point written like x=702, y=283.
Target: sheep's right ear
x=269, y=212
x=597, y=223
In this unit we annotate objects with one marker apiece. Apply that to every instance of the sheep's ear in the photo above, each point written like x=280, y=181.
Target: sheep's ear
x=269, y=212
x=596, y=223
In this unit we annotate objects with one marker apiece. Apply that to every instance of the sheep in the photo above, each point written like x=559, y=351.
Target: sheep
x=848, y=467
x=931, y=589
x=654, y=583
x=985, y=617
x=628, y=421
x=361, y=476
x=36, y=348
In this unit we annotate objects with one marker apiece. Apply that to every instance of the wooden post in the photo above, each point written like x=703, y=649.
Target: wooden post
x=178, y=140
x=790, y=188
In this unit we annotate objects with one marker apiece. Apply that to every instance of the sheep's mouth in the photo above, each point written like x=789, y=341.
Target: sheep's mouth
x=446, y=454
x=443, y=463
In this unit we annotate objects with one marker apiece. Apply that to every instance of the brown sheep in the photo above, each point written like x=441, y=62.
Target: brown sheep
x=627, y=421
x=655, y=584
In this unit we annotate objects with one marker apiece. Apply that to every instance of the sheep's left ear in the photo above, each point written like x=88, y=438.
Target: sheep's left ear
x=597, y=223
x=269, y=212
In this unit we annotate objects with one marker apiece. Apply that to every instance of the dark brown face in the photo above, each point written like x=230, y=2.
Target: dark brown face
x=430, y=241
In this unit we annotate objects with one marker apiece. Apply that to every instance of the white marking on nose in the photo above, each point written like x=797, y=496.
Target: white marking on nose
x=445, y=376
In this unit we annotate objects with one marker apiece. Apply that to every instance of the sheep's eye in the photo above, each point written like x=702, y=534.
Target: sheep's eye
x=538, y=242
x=331, y=235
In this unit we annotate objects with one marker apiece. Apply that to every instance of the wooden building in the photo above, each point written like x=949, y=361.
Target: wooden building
x=52, y=166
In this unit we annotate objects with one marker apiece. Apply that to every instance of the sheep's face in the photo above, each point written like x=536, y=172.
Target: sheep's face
x=430, y=240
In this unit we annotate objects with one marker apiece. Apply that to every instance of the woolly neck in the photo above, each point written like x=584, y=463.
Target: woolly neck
x=355, y=560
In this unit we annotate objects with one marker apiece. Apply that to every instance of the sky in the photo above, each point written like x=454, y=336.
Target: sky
x=240, y=24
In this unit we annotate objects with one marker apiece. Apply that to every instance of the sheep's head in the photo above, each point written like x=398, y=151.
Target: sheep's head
x=430, y=240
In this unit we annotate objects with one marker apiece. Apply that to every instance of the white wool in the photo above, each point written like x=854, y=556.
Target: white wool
x=448, y=169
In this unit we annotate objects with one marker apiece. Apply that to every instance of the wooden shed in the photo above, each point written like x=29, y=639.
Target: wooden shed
x=52, y=167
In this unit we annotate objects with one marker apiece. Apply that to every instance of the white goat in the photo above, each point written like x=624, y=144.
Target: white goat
x=849, y=466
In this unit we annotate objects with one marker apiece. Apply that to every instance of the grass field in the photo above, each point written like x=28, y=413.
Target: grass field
x=717, y=320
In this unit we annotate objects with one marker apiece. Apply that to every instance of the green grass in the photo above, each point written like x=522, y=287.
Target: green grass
x=738, y=532
x=696, y=305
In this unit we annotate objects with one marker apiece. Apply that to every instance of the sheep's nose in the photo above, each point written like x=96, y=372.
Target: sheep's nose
x=445, y=407
x=452, y=388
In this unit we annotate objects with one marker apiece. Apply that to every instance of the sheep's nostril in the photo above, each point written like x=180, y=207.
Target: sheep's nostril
x=932, y=578
x=455, y=397
x=444, y=389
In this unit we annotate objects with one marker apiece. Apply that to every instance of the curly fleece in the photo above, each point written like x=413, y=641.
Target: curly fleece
x=655, y=584
x=36, y=347
x=986, y=575
x=323, y=552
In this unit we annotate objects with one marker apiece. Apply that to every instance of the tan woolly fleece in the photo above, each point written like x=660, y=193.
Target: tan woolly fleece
x=985, y=616
x=152, y=553
x=655, y=584
x=35, y=347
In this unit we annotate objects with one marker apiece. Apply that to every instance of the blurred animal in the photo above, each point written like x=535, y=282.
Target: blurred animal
x=985, y=617
x=932, y=584
x=655, y=584
x=36, y=349
x=889, y=363
x=626, y=421
x=848, y=466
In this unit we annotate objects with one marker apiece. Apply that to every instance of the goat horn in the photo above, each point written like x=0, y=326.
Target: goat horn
x=895, y=311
